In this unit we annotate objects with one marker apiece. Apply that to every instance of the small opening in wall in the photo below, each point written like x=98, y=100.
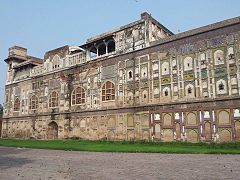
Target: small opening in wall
x=189, y=90
x=188, y=65
x=130, y=74
x=166, y=93
x=221, y=86
x=144, y=96
x=165, y=69
x=231, y=56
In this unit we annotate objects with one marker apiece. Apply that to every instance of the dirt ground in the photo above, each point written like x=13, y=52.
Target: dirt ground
x=39, y=164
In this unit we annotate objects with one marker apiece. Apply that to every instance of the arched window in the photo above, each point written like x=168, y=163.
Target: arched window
x=108, y=91
x=33, y=102
x=16, y=104
x=101, y=49
x=56, y=62
x=53, y=99
x=78, y=96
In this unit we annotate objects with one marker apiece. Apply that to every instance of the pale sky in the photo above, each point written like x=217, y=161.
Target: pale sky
x=42, y=25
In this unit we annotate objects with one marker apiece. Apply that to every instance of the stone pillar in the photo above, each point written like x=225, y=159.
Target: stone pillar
x=232, y=124
x=88, y=58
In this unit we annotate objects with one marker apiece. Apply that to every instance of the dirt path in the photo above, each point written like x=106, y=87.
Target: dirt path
x=51, y=164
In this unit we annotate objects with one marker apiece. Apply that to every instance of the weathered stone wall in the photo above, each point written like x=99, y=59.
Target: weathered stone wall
x=185, y=122
x=186, y=89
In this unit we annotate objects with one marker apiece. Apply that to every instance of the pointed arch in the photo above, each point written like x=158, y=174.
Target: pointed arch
x=108, y=91
x=188, y=63
x=56, y=62
x=52, y=131
x=218, y=57
x=53, y=99
x=78, y=96
x=33, y=102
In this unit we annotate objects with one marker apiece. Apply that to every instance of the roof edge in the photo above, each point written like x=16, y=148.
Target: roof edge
x=210, y=27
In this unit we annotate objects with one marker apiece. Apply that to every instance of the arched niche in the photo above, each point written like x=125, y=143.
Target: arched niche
x=225, y=135
x=223, y=117
x=191, y=119
x=188, y=63
x=167, y=119
x=218, y=57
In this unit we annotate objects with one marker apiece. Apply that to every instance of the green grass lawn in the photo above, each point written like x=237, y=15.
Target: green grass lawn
x=123, y=146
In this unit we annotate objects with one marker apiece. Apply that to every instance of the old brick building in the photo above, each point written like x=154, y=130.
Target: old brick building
x=139, y=81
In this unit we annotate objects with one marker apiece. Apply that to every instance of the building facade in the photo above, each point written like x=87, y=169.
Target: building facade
x=137, y=82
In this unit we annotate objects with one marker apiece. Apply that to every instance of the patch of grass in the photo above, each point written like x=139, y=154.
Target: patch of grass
x=125, y=146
